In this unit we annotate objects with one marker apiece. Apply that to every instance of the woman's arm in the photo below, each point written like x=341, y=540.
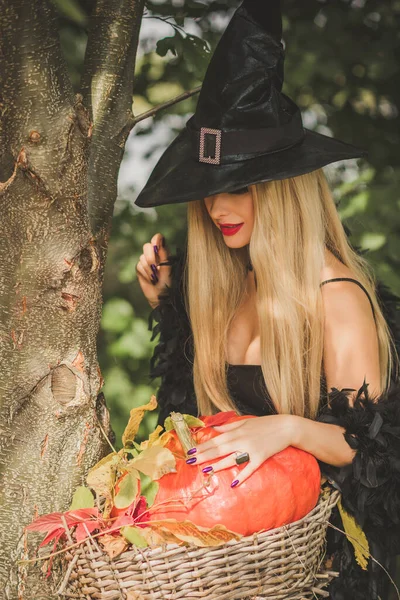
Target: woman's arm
x=350, y=355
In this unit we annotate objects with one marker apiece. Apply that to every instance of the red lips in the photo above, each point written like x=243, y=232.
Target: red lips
x=230, y=229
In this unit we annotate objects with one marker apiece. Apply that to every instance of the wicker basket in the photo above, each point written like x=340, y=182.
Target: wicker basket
x=281, y=564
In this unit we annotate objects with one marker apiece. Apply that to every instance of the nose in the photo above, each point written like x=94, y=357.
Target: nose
x=218, y=205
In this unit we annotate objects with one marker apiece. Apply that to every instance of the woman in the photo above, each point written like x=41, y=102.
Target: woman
x=269, y=307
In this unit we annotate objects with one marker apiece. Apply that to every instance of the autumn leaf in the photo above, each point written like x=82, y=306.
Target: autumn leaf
x=134, y=536
x=128, y=489
x=195, y=535
x=82, y=498
x=154, y=462
x=113, y=545
x=149, y=488
x=101, y=477
x=54, y=527
x=135, y=419
x=190, y=420
x=154, y=438
x=356, y=537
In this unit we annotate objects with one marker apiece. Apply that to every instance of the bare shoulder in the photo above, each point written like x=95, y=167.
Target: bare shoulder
x=344, y=301
x=351, y=350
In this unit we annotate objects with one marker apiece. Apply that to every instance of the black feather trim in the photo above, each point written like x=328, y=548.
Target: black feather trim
x=370, y=487
x=172, y=359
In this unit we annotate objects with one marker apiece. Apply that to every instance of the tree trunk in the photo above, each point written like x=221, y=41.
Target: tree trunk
x=59, y=161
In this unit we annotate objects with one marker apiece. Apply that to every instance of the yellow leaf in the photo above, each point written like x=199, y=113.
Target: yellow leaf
x=153, y=438
x=154, y=462
x=135, y=419
x=101, y=477
x=192, y=534
x=113, y=545
x=356, y=537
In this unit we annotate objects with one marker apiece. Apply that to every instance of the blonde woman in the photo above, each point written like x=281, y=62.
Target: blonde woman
x=269, y=311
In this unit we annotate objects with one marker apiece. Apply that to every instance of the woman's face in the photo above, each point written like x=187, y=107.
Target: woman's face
x=233, y=214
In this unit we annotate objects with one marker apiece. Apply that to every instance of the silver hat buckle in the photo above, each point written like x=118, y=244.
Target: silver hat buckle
x=216, y=159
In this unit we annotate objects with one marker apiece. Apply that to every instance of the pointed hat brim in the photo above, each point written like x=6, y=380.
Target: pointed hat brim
x=178, y=177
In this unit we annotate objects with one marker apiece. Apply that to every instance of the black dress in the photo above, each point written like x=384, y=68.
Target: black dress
x=370, y=485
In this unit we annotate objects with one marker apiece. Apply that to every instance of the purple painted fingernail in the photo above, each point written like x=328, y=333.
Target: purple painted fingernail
x=155, y=248
x=154, y=269
x=234, y=483
x=191, y=461
x=207, y=469
x=154, y=279
x=192, y=451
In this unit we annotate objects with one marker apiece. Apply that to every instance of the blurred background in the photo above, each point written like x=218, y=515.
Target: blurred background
x=342, y=69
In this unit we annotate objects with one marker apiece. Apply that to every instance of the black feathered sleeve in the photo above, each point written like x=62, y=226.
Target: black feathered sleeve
x=172, y=359
x=370, y=485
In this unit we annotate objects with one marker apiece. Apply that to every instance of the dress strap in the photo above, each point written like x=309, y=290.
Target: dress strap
x=354, y=281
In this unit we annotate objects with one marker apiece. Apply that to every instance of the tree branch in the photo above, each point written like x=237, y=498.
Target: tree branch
x=132, y=120
x=156, y=109
x=107, y=88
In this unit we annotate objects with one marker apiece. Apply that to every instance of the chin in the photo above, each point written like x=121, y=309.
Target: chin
x=232, y=243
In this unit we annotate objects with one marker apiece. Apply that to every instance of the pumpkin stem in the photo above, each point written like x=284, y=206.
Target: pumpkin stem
x=182, y=431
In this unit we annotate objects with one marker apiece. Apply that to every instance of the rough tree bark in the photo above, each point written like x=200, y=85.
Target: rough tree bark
x=59, y=160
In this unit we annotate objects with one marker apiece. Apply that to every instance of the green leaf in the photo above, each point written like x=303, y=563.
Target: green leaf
x=191, y=421
x=128, y=490
x=149, y=489
x=134, y=536
x=82, y=498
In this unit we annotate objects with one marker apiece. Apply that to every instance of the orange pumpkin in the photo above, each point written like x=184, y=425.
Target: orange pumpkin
x=282, y=490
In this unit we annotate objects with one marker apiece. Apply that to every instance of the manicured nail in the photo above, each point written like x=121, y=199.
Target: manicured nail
x=192, y=451
x=207, y=469
x=154, y=269
x=234, y=483
x=154, y=279
x=191, y=461
x=155, y=248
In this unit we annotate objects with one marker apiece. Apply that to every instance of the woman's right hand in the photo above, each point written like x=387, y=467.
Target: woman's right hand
x=152, y=277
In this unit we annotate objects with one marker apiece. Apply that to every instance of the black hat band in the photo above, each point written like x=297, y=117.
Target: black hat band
x=216, y=147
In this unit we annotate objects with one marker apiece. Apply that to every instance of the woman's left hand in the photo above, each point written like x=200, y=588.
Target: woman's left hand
x=260, y=437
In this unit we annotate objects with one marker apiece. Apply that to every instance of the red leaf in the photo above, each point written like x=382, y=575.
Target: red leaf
x=81, y=532
x=56, y=534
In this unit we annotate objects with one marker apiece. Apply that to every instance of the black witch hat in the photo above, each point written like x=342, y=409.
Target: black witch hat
x=244, y=130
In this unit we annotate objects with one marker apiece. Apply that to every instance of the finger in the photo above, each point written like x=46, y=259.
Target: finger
x=245, y=473
x=211, y=454
x=226, y=463
x=228, y=426
x=146, y=267
x=151, y=256
x=158, y=240
x=142, y=274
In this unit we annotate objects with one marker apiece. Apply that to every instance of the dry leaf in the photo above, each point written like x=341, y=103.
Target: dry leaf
x=192, y=534
x=135, y=419
x=113, y=545
x=153, y=438
x=101, y=477
x=356, y=537
x=154, y=462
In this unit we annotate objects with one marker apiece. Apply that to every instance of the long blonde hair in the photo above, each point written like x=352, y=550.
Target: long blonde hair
x=294, y=221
